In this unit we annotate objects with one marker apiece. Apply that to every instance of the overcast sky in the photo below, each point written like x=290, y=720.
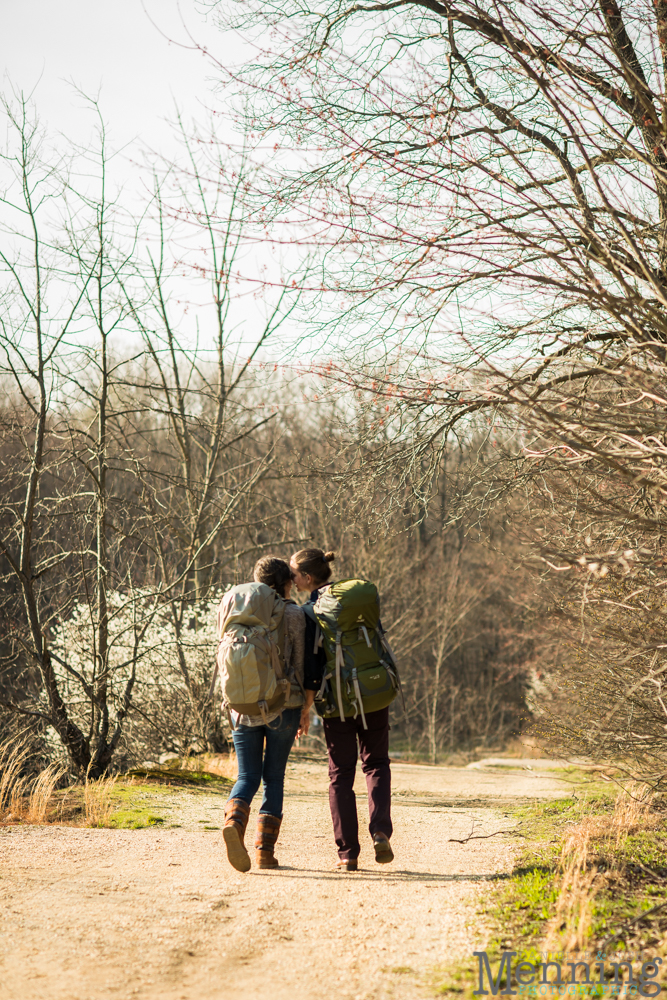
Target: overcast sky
x=112, y=47
x=129, y=52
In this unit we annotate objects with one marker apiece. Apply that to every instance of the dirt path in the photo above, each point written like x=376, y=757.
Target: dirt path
x=158, y=914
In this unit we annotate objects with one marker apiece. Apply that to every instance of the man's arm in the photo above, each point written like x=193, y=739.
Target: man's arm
x=314, y=661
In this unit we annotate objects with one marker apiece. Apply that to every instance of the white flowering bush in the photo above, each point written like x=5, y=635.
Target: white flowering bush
x=170, y=706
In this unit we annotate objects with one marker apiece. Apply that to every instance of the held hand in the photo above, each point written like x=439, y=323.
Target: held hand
x=304, y=722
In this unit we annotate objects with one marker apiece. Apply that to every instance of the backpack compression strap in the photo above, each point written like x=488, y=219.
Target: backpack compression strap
x=339, y=664
x=357, y=691
x=319, y=638
x=394, y=672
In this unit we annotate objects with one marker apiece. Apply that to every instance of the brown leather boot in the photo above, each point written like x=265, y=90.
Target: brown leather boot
x=383, y=851
x=268, y=828
x=236, y=820
x=347, y=865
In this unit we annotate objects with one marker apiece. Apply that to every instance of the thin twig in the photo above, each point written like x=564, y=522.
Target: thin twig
x=475, y=836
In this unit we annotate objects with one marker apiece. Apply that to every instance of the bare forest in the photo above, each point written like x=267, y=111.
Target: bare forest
x=458, y=382
x=144, y=469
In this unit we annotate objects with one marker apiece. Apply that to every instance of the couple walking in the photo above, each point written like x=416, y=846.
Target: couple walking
x=317, y=661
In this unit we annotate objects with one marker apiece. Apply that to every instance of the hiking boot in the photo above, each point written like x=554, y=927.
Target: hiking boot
x=268, y=828
x=383, y=851
x=236, y=820
x=346, y=865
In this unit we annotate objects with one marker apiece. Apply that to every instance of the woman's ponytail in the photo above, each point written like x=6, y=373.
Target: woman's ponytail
x=315, y=563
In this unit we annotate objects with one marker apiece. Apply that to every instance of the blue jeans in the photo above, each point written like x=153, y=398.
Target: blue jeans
x=257, y=764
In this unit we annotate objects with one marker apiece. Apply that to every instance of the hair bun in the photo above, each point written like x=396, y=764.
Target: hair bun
x=329, y=556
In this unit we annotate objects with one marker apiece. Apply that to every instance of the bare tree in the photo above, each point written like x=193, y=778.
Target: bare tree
x=490, y=193
x=57, y=285
x=204, y=488
x=490, y=177
x=452, y=598
x=472, y=147
x=131, y=469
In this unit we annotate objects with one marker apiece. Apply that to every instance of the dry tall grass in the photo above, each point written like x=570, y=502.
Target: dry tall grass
x=42, y=791
x=581, y=878
x=226, y=766
x=25, y=797
x=97, y=800
x=13, y=756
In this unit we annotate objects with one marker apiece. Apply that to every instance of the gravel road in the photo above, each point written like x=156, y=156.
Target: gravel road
x=158, y=914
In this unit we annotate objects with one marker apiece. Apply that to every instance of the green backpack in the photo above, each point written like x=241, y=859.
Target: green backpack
x=361, y=674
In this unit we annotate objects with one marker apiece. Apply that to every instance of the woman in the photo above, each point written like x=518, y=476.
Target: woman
x=311, y=570
x=263, y=744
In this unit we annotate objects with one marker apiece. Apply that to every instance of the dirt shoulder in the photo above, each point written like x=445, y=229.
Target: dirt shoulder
x=158, y=913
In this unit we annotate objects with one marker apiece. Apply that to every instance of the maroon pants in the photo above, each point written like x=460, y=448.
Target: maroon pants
x=374, y=746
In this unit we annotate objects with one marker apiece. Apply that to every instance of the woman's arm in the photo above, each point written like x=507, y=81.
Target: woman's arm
x=314, y=662
x=304, y=721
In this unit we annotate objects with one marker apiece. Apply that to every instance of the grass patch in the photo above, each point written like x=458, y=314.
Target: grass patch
x=592, y=878
x=133, y=819
x=116, y=802
x=521, y=907
x=138, y=805
x=118, y=805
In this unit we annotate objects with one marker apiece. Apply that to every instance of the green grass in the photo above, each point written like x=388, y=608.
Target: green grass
x=133, y=819
x=519, y=908
x=523, y=904
x=136, y=797
x=648, y=849
x=135, y=806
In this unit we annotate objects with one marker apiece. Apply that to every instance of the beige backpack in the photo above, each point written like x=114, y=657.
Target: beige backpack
x=250, y=660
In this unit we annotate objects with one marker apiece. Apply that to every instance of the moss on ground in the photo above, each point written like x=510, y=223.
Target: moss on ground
x=134, y=797
x=182, y=778
x=132, y=819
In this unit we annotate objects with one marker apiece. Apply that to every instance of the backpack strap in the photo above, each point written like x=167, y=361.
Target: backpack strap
x=385, y=643
x=394, y=672
x=339, y=665
x=360, y=701
x=323, y=686
x=275, y=657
